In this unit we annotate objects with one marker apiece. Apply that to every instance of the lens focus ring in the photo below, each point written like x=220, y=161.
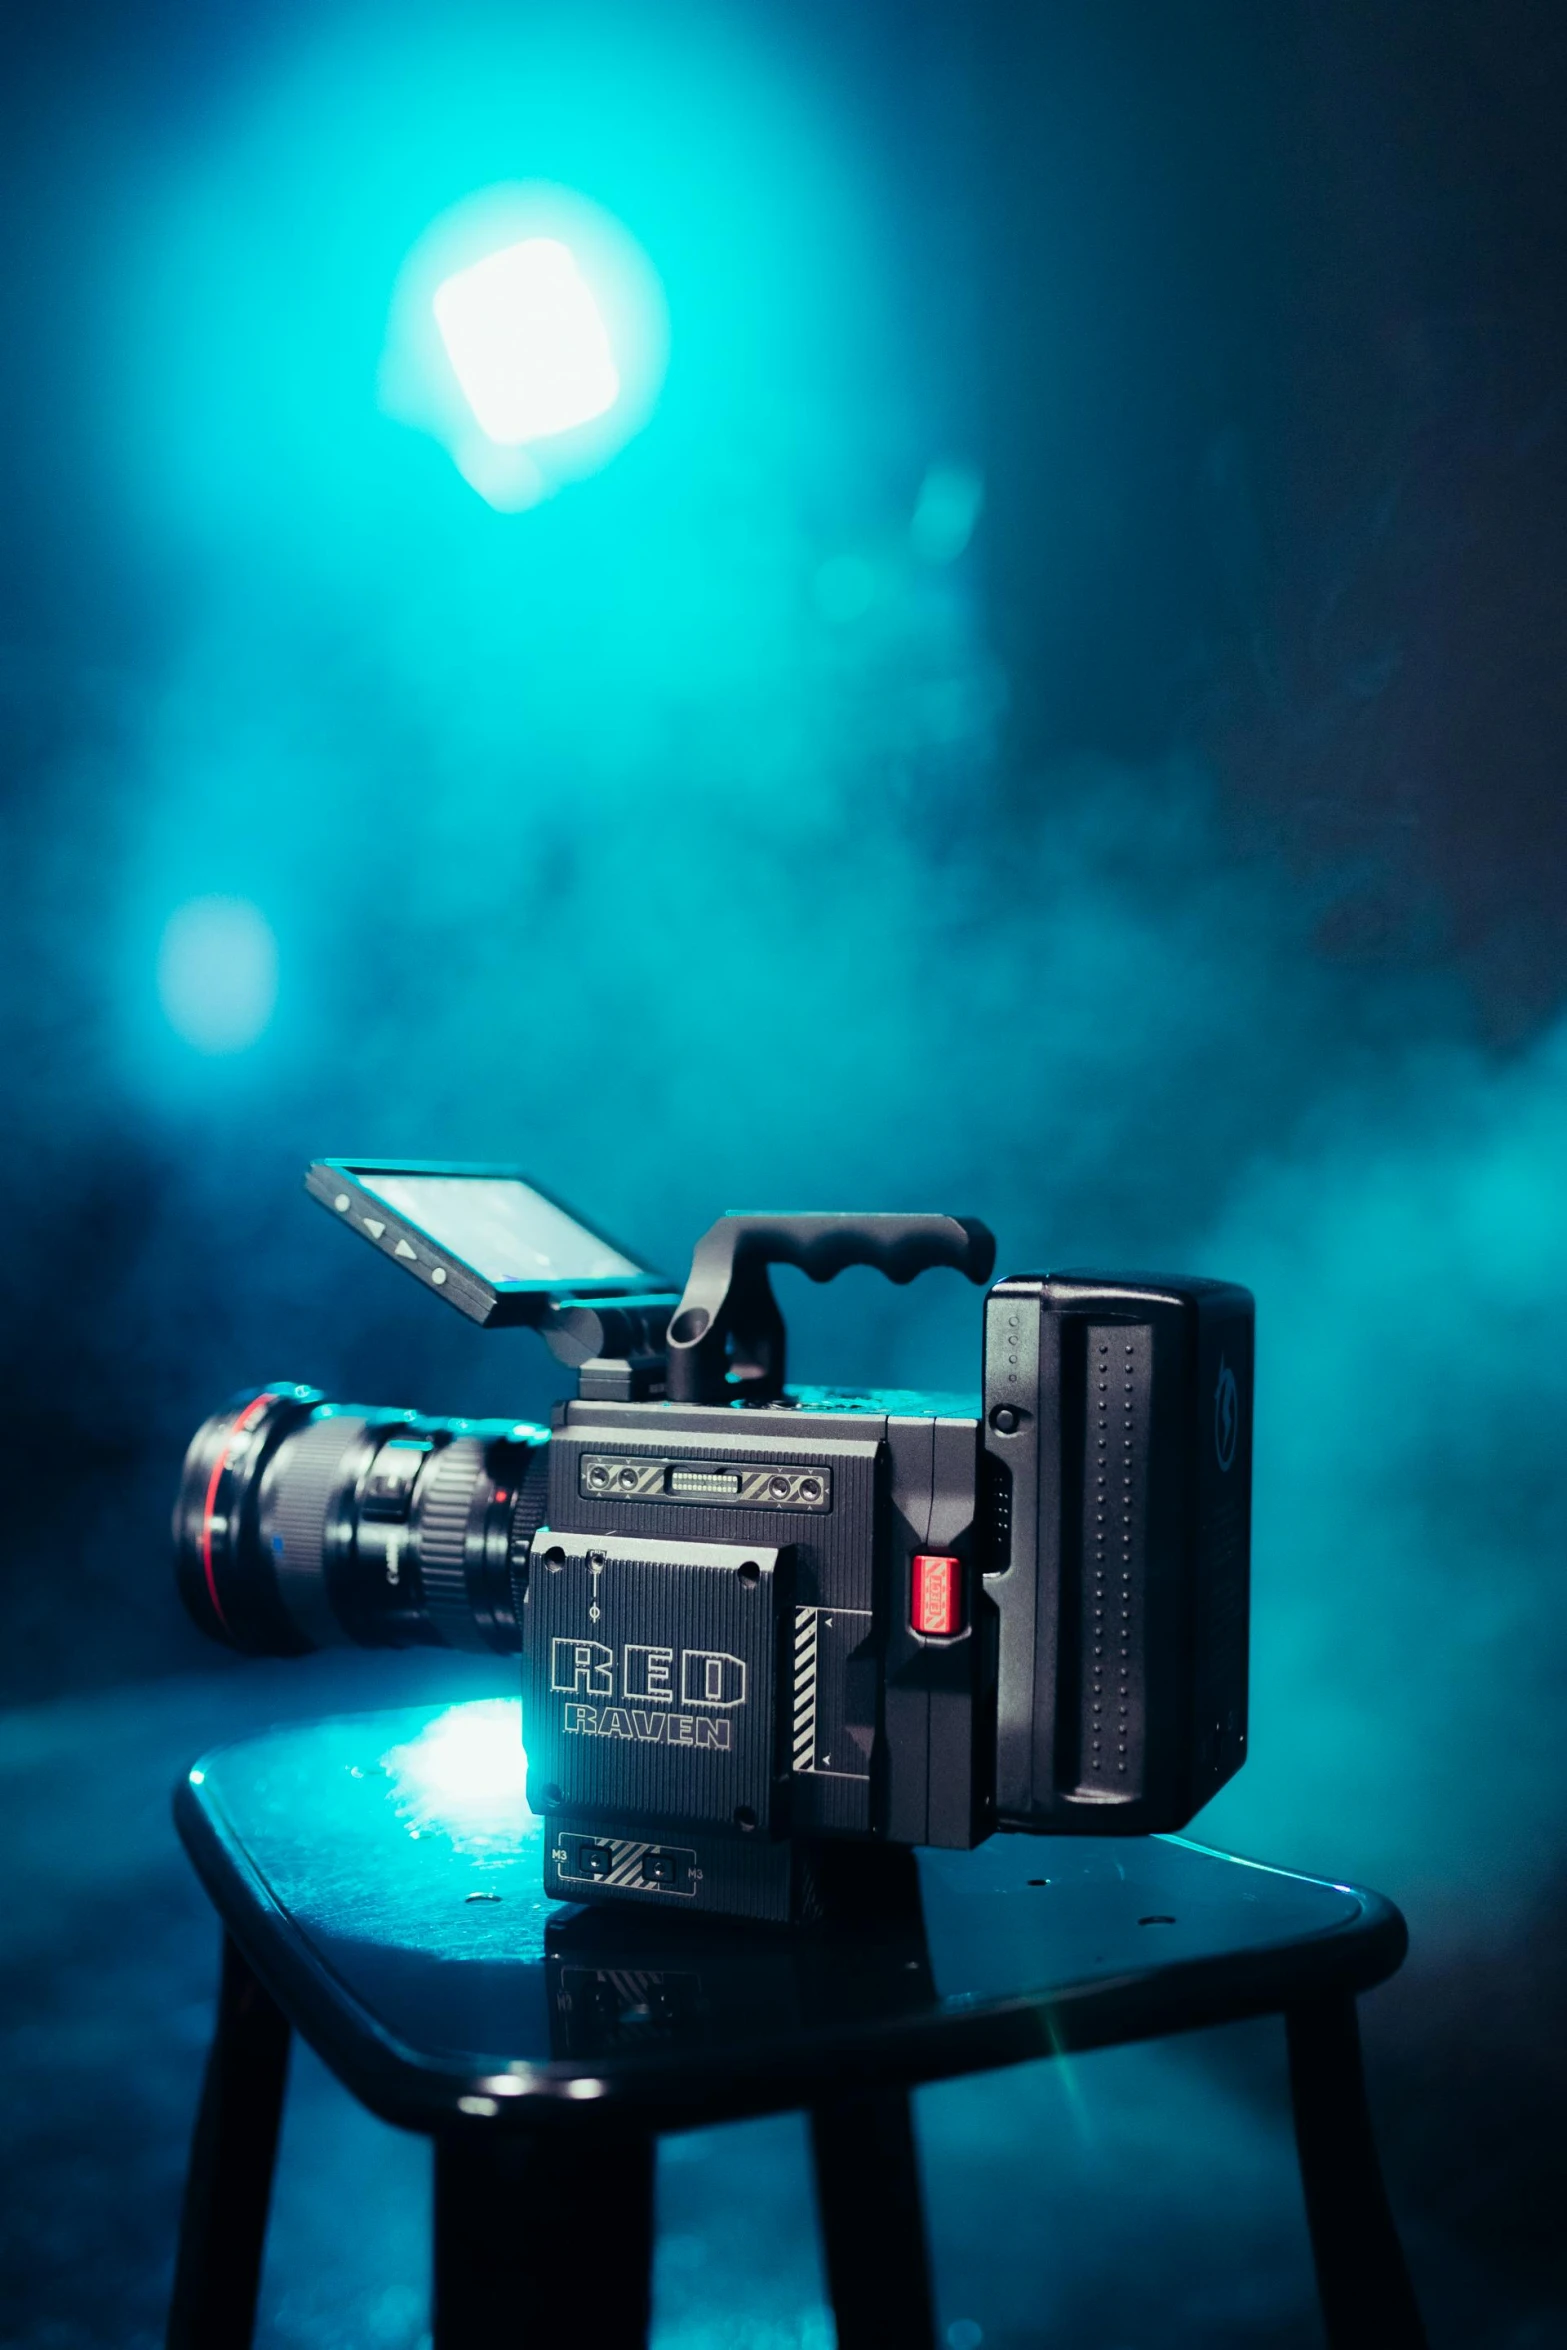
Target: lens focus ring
x=444, y=1509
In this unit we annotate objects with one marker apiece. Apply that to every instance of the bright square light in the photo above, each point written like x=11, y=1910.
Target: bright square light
x=525, y=338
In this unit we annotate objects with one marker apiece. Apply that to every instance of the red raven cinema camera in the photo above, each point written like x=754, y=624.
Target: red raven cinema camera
x=767, y=1630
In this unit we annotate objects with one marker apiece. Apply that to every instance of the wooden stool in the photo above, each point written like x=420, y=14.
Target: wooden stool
x=386, y=1906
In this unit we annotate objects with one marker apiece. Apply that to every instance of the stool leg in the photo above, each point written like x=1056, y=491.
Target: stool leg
x=543, y=2239
x=1368, y=2302
x=223, y=2224
x=873, y=2221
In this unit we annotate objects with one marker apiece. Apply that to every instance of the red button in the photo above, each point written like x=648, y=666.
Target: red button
x=938, y=1595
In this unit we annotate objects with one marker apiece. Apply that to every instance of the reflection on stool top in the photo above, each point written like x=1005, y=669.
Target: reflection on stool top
x=381, y=1872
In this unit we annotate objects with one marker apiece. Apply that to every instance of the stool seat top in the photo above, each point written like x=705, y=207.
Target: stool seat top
x=381, y=1873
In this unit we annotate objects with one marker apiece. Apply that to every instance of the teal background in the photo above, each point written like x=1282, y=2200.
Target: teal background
x=1172, y=876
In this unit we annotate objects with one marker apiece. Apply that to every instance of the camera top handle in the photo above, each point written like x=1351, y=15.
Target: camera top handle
x=726, y=1337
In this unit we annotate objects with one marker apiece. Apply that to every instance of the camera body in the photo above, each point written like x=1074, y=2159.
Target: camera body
x=769, y=1633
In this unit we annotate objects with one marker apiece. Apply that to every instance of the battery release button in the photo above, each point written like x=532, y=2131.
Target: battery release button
x=938, y=1595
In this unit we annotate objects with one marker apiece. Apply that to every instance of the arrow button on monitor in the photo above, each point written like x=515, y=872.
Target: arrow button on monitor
x=403, y=1250
x=374, y=1229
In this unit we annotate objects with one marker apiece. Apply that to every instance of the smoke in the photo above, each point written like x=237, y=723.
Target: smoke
x=1410, y=1260
x=660, y=840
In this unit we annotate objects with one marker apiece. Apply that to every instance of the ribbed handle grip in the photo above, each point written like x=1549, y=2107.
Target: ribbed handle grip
x=899, y=1246
x=726, y=1338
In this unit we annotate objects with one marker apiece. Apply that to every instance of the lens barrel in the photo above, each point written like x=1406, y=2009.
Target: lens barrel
x=306, y=1524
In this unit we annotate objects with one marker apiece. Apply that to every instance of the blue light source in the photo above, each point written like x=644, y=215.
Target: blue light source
x=217, y=973
x=525, y=337
x=528, y=334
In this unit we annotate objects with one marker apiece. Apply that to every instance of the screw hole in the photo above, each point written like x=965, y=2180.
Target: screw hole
x=745, y=1818
x=554, y=1560
x=750, y=1574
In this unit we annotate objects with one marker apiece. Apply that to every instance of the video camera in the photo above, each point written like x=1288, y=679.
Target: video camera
x=766, y=1632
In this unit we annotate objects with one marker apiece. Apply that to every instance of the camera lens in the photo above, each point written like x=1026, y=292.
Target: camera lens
x=303, y=1524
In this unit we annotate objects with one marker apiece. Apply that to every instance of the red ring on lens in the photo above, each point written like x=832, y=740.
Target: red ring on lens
x=257, y=1404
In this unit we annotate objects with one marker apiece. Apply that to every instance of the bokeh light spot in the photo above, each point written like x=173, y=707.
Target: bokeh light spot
x=525, y=338
x=217, y=973
x=949, y=506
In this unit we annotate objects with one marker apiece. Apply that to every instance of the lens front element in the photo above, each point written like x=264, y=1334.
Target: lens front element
x=304, y=1524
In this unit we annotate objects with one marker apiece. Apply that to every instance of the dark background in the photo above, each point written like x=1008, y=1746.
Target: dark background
x=1168, y=869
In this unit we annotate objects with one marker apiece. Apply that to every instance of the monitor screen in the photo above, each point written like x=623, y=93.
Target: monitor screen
x=500, y=1226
